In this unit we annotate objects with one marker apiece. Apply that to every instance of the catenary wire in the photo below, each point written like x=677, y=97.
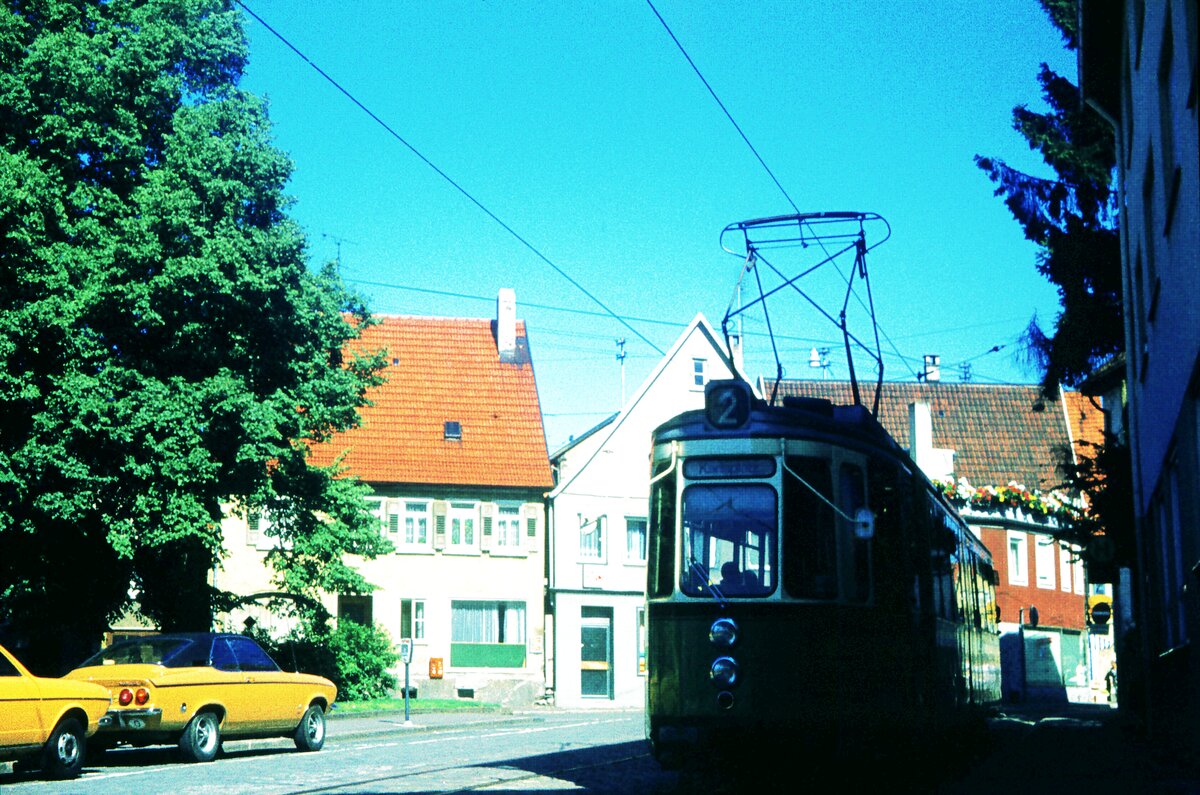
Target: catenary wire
x=532, y=248
x=725, y=110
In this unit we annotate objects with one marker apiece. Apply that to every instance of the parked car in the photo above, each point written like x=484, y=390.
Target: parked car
x=44, y=722
x=196, y=689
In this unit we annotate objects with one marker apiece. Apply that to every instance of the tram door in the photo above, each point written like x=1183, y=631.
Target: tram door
x=595, y=653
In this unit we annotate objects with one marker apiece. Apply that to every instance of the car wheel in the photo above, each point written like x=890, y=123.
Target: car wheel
x=64, y=751
x=201, y=739
x=310, y=734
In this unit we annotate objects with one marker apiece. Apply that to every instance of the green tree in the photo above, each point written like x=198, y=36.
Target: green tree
x=1072, y=218
x=166, y=351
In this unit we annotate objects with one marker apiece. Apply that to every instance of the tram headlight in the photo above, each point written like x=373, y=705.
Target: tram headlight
x=723, y=633
x=724, y=672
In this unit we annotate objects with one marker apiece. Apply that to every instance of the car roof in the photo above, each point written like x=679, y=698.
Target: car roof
x=195, y=637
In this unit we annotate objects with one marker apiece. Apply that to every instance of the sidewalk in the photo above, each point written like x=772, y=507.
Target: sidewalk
x=388, y=722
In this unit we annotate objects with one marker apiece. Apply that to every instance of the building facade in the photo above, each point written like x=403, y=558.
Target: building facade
x=1138, y=69
x=597, y=529
x=454, y=451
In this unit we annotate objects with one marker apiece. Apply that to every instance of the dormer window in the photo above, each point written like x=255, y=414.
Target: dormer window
x=452, y=431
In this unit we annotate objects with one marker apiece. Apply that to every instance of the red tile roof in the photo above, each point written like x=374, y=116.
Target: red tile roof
x=998, y=432
x=442, y=370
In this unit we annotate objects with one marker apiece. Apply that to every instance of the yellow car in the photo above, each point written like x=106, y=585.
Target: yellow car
x=197, y=689
x=46, y=722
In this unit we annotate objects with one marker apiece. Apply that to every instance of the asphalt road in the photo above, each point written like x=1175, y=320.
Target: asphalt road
x=1062, y=750
x=544, y=751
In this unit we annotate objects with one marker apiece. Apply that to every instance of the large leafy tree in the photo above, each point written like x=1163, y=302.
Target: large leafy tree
x=165, y=353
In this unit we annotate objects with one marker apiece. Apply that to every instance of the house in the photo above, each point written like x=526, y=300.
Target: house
x=597, y=516
x=1138, y=70
x=996, y=449
x=454, y=451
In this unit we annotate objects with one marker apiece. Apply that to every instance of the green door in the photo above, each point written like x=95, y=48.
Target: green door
x=595, y=664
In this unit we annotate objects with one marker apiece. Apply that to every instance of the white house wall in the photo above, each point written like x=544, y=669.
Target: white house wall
x=437, y=578
x=605, y=478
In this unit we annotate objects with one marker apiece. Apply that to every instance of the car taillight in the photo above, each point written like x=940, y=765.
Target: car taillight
x=142, y=696
x=125, y=697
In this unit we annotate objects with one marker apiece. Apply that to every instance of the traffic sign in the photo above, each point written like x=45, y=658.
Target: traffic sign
x=1101, y=612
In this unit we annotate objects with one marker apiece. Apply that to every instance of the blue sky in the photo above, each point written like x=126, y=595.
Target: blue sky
x=585, y=130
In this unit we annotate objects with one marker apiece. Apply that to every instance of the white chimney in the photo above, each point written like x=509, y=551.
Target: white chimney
x=506, y=323
x=936, y=463
x=933, y=367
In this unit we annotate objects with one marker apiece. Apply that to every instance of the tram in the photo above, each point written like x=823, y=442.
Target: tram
x=808, y=587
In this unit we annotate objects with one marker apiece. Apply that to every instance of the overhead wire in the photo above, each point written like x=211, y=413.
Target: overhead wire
x=532, y=248
x=725, y=110
x=754, y=151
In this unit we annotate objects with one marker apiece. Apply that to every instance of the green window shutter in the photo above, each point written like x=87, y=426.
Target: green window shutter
x=488, y=513
x=533, y=512
x=439, y=524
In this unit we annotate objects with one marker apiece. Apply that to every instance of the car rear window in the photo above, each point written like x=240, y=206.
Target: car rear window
x=171, y=652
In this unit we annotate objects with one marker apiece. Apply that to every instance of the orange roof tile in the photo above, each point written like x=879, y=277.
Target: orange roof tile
x=997, y=431
x=442, y=370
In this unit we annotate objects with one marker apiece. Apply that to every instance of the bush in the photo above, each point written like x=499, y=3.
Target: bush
x=363, y=656
x=356, y=658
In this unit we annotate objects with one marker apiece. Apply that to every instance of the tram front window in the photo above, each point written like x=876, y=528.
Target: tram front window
x=730, y=540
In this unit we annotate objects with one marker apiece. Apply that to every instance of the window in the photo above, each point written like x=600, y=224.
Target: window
x=356, y=609
x=635, y=539
x=1044, y=561
x=254, y=527
x=698, y=375
x=462, y=519
x=508, y=527
x=487, y=634
x=250, y=655
x=809, y=533
x=1018, y=564
x=7, y=668
x=1064, y=566
x=416, y=524
x=591, y=538
x=412, y=619
x=729, y=540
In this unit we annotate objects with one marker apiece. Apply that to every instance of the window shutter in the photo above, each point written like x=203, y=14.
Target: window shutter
x=439, y=524
x=488, y=512
x=533, y=517
x=393, y=516
x=253, y=522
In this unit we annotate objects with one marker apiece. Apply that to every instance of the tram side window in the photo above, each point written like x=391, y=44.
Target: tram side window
x=852, y=496
x=947, y=575
x=660, y=568
x=809, y=533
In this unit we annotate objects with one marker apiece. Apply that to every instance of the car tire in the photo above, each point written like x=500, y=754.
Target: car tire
x=64, y=751
x=310, y=734
x=202, y=738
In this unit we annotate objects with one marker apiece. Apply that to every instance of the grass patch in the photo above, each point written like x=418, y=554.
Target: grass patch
x=414, y=705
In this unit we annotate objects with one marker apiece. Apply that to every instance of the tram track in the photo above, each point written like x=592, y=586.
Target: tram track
x=492, y=781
